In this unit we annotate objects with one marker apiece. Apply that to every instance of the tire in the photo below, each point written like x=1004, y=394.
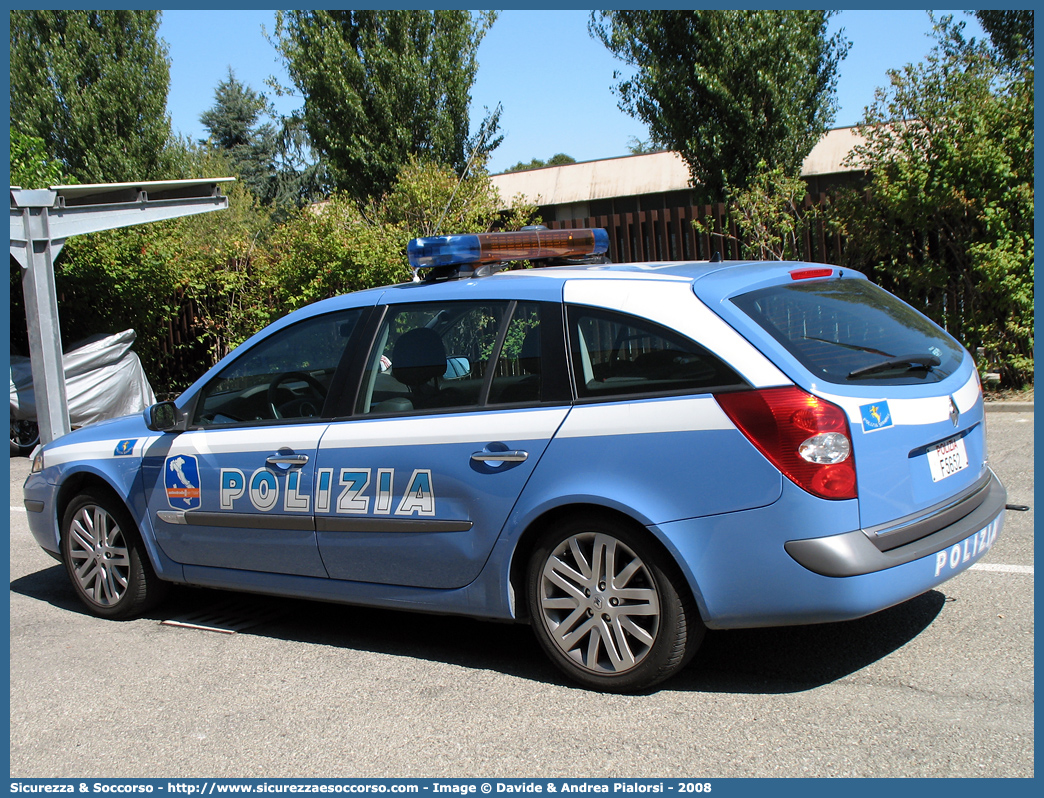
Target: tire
x=106, y=560
x=25, y=435
x=617, y=633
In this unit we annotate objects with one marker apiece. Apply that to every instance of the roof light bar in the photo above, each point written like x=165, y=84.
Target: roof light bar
x=483, y=248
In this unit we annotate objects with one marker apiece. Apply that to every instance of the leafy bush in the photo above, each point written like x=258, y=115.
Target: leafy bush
x=771, y=217
x=336, y=247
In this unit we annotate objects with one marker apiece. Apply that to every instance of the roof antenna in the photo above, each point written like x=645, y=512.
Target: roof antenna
x=483, y=132
x=716, y=257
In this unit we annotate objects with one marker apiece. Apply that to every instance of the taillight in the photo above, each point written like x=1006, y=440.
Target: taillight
x=805, y=437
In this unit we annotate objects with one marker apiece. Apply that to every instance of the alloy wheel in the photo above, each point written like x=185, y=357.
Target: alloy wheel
x=599, y=603
x=100, y=558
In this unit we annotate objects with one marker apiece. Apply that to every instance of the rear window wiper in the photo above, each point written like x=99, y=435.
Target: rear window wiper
x=926, y=362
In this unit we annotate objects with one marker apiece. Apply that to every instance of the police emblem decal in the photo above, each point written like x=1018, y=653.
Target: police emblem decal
x=124, y=448
x=876, y=416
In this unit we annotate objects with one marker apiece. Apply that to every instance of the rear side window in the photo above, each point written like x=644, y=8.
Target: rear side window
x=616, y=355
x=851, y=331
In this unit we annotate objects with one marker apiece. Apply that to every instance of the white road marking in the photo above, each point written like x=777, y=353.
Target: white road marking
x=1006, y=569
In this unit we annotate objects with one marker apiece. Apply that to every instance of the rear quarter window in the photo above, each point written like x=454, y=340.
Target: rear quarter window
x=616, y=355
x=838, y=328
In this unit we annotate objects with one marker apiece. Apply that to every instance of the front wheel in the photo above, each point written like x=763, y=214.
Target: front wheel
x=608, y=607
x=25, y=435
x=106, y=560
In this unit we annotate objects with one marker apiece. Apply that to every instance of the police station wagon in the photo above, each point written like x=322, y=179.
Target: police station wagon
x=619, y=455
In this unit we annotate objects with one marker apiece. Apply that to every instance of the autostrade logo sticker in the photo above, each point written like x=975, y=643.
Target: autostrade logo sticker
x=181, y=480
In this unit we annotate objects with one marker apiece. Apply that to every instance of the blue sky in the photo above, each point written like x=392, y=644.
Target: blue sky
x=553, y=79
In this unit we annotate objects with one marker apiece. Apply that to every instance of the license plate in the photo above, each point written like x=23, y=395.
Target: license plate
x=947, y=458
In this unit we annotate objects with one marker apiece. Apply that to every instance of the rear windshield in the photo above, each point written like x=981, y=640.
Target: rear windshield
x=851, y=331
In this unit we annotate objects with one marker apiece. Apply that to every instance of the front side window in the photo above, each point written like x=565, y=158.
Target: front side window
x=285, y=376
x=615, y=355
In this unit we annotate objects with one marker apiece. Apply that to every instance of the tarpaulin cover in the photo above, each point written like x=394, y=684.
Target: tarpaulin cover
x=103, y=379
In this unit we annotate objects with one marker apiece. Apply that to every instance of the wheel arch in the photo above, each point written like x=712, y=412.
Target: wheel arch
x=83, y=480
x=527, y=541
x=78, y=482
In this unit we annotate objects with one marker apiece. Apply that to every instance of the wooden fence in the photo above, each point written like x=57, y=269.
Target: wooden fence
x=669, y=234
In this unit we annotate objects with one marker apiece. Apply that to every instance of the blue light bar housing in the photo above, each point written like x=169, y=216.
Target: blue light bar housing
x=426, y=253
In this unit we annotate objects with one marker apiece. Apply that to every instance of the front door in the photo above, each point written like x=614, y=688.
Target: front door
x=236, y=498
x=237, y=489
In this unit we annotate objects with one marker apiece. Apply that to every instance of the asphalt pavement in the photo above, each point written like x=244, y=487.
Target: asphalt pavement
x=939, y=686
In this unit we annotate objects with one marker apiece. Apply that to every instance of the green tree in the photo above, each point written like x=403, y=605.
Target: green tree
x=635, y=146
x=561, y=159
x=727, y=89
x=93, y=86
x=276, y=163
x=235, y=125
x=30, y=165
x=380, y=86
x=1011, y=33
x=947, y=222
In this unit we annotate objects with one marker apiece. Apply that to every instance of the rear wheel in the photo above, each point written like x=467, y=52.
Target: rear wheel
x=106, y=560
x=608, y=607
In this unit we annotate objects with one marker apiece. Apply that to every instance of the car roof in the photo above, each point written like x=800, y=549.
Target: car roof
x=713, y=280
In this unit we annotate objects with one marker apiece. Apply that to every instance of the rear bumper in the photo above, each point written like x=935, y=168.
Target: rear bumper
x=965, y=524
x=744, y=573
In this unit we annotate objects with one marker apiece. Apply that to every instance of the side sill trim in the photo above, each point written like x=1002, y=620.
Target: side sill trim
x=296, y=523
x=346, y=524
x=306, y=523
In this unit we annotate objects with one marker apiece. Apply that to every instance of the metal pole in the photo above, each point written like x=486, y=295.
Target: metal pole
x=45, y=339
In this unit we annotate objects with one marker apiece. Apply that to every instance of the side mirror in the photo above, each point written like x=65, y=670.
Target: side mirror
x=165, y=417
x=457, y=368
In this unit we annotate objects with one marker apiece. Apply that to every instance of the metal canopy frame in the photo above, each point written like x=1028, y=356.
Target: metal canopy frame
x=41, y=222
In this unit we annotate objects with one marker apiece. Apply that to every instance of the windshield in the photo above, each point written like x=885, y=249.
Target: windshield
x=851, y=331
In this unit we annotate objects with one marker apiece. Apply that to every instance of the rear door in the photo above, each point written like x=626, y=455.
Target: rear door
x=456, y=407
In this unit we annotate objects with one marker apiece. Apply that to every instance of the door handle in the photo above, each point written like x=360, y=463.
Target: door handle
x=287, y=460
x=517, y=456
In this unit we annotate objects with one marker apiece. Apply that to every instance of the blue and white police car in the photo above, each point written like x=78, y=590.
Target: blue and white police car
x=620, y=455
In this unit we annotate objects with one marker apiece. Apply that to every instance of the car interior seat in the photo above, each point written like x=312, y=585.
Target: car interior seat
x=418, y=360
